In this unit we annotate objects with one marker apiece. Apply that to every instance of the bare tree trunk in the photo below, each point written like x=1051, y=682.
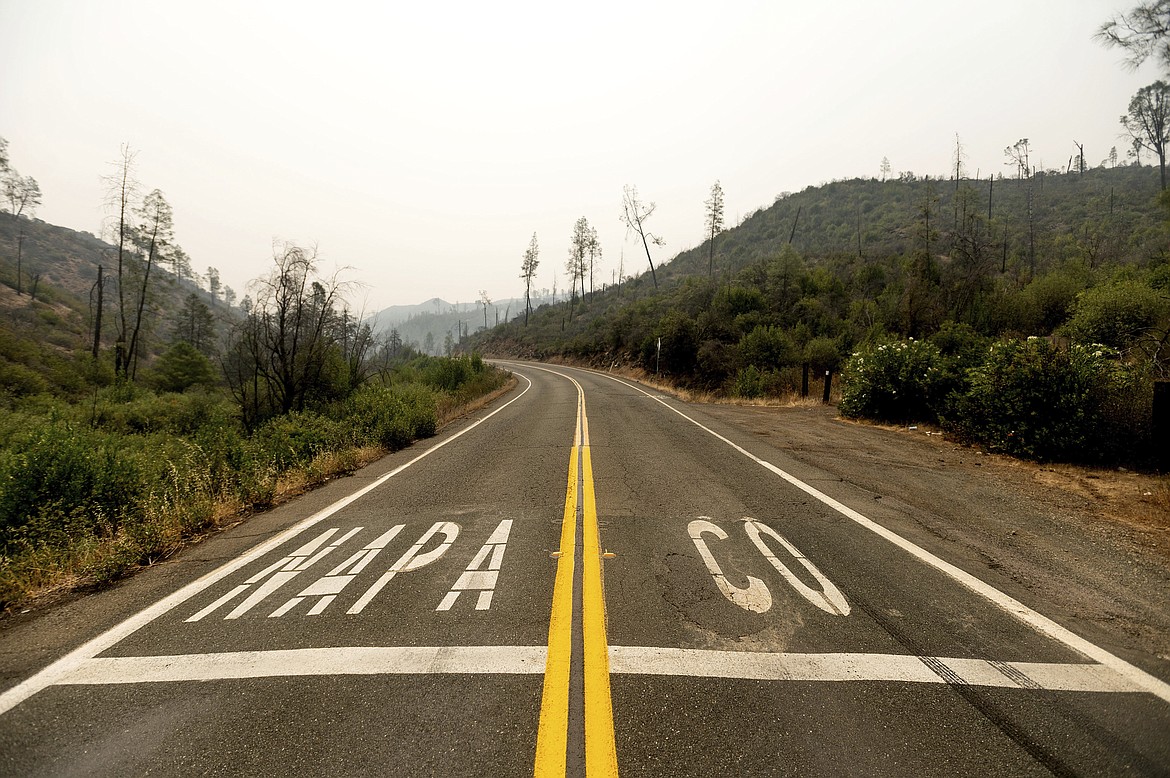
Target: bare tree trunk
x=20, y=246
x=133, y=355
x=97, y=327
x=121, y=359
x=645, y=245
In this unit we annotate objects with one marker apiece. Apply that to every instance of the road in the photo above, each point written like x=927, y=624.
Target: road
x=585, y=578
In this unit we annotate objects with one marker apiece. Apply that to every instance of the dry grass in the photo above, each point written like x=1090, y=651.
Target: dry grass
x=789, y=400
x=40, y=576
x=448, y=413
x=1141, y=500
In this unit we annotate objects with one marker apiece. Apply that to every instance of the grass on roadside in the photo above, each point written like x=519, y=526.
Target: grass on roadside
x=92, y=492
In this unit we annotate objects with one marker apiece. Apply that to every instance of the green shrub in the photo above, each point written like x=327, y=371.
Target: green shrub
x=295, y=438
x=768, y=347
x=748, y=383
x=1034, y=400
x=898, y=381
x=391, y=417
x=182, y=366
x=57, y=469
x=448, y=374
x=1116, y=314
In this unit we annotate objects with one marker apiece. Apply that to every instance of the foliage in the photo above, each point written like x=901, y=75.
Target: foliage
x=897, y=381
x=1122, y=314
x=1035, y=400
x=93, y=489
x=182, y=367
x=295, y=350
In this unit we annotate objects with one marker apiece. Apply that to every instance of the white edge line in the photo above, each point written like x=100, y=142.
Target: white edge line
x=1034, y=619
x=369, y=660
x=625, y=660
x=74, y=659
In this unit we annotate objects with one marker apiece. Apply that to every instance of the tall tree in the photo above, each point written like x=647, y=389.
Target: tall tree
x=22, y=195
x=885, y=168
x=279, y=359
x=195, y=325
x=98, y=290
x=714, y=215
x=1141, y=33
x=528, y=272
x=577, y=263
x=121, y=188
x=1018, y=155
x=1148, y=121
x=485, y=301
x=213, y=282
x=635, y=214
x=153, y=237
x=594, y=257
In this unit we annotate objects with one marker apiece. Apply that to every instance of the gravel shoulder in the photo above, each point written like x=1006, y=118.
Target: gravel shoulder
x=1087, y=547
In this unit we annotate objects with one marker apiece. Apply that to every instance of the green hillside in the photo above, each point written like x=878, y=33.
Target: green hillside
x=47, y=329
x=856, y=260
x=821, y=279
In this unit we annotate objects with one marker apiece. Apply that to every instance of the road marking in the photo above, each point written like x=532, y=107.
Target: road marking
x=829, y=598
x=867, y=667
x=300, y=560
x=475, y=578
x=754, y=597
x=623, y=660
x=376, y=660
x=1042, y=624
x=411, y=560
x=552, y=734
x=48, y=676
x=600, y=740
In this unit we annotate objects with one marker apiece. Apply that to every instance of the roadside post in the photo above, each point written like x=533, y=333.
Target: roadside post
x=1161, y=426
x=828, y=386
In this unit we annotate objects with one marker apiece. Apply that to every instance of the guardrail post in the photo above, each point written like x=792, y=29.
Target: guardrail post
x=1161, y=426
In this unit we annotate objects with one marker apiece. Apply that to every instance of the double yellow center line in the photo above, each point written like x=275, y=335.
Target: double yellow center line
x=553, y=756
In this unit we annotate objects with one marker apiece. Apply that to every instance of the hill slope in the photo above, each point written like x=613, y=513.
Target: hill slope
x=46, y=332
x=823, y=270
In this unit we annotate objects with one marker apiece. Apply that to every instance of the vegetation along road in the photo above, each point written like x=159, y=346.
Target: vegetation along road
x=588, y=577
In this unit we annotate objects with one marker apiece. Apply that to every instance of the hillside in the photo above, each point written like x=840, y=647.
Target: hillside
x=46, y=332
x=821, y=271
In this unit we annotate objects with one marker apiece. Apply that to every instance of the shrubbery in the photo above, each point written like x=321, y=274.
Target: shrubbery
x=1027, y=398
x=94, y=489
x=1034, y=400
x=896, y=381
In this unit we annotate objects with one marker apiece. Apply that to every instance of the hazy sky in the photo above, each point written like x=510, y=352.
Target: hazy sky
x=421, y=144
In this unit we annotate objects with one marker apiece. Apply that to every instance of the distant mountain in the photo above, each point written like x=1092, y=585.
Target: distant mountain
x=396, y=314
x=436, y=318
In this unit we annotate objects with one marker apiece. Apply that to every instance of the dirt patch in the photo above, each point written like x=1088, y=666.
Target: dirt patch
x=1088, y=547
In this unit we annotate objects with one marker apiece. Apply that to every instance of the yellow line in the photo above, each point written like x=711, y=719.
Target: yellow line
x=600, y=748
x=553, y=732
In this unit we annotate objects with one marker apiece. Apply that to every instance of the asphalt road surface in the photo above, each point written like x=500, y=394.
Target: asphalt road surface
x=585, y=578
